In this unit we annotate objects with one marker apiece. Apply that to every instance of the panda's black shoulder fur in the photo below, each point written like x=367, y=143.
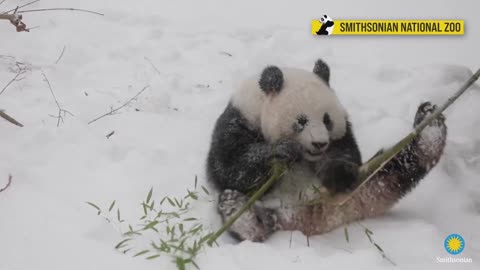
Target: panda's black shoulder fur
x=239, y=155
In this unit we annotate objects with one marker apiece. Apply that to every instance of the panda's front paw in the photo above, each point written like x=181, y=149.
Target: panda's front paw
x=424, y=110
x=255, y=224
x=288, y=150
x=340, y=176
x=230, y=201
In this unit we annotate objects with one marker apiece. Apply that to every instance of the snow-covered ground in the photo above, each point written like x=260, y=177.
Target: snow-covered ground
x=192, y=54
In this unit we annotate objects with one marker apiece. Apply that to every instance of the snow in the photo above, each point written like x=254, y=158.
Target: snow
x=44, y=221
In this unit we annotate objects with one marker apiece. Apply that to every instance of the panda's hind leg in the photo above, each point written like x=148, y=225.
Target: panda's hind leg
x=431, y=141
x=256, y=224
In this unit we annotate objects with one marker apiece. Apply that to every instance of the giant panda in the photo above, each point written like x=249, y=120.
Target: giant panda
x=293, y=116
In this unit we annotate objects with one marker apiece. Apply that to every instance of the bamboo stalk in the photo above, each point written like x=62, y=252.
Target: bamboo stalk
x=10, y=119
x=369, y=169
x=278, y=170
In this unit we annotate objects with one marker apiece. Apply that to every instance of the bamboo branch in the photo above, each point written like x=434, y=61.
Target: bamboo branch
x=21, y=71
x=10, y=119
x=112, y=111
x=63, y=9
x=8, y=184
x=60, y=109
x=22, y=6
x=278, y=170
x=61, y=54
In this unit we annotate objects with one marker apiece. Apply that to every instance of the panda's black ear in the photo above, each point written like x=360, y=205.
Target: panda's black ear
x=322, y=70
x=271, y=80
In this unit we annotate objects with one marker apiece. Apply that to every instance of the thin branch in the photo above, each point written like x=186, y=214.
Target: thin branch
x=153, y=66
x=22, y=6
x=8, y=183
x=110, y=134
x=112, y=111
x=10, y=119
x=226, y=53
x=64, y=9
x=2, y=2
x=60, y=109
x=61, y=54
x=21, y=71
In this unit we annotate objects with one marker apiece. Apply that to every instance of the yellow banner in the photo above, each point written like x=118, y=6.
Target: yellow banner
x=389, y=27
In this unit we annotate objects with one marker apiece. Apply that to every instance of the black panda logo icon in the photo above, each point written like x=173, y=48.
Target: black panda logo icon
x=327, y=25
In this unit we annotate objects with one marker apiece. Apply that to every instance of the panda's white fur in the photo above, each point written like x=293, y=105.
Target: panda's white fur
x=302, y=92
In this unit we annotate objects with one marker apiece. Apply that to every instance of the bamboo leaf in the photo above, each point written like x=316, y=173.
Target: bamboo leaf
x=141, y=253
x=149, y=196
x=170, y=201
x=94, y=206
x=195, y=264
x=122, y=243
x=163, y=199
x=180, y=263
x=151, y=225
x=205, y=190
x=153, y=257
x=345, y=230
x=378, y=247
x=111, y=206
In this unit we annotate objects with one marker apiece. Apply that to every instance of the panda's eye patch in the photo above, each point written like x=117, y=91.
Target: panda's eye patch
x=327, y=121
x=301, y=122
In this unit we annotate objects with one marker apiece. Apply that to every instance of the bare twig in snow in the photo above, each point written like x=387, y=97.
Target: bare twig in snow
x=22, y=6
x=20, y=72
x=21, y=69
x=110, y=134
x=10, y=119
x=16, y=17
x=8, y=183
x=112, y=111
x=153, y=66
x=61, y=112
x=61, y=54
x=64, y=9
x=226, y=53
x=1, y=2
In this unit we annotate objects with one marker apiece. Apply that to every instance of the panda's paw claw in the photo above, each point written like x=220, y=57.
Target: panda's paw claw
x=255, y=224
x=230, y=201
x=424, y=110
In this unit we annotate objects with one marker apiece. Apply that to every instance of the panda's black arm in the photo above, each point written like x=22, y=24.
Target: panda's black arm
x=345, y=148
x=239, y=155
x=340, y=171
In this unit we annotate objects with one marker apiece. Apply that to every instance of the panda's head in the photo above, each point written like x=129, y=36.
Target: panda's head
x=300, y=105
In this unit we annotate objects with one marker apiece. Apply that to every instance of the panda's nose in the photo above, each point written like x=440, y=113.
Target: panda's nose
x=319, y=145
